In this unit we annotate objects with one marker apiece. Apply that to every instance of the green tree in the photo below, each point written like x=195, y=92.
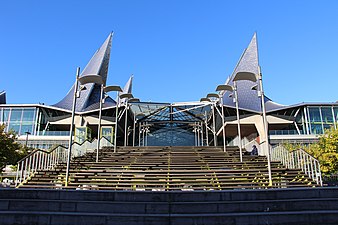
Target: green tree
x=10, y=150
x=325, y=150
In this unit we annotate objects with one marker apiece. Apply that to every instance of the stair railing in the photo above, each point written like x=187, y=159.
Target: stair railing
x=298, y=159
x=48, y=159
x=39, y=160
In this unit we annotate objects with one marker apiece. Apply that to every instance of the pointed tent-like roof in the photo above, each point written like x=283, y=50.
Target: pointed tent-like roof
x=129, y=85
x=127, y=88
x=247, y=98
x=90, y=96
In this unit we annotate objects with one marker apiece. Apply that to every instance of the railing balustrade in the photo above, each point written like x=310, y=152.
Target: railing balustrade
x=47, y=160
x=298, y=159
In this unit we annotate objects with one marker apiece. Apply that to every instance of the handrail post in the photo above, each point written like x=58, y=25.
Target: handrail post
x=45, y=162
x=304, y=162
x=312, y=171
x=29, y=166
x=320, y=174
x=25, y=171
x=34, y=162
x=42, y=157
x=17, y=175
x=22, y=170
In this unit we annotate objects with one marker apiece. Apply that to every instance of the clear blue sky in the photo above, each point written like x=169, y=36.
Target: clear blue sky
x=177, y=50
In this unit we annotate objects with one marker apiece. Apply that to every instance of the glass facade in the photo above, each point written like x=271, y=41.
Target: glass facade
x=20, y=120
x=308, y=120
x=171, y=134
x=315, y=120
x=321, y=118
x=327, y=117
x=167, y=125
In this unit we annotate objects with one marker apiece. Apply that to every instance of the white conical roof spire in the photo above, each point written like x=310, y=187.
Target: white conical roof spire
x=127, y=88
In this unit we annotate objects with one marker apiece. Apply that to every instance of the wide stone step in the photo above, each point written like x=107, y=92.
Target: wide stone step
x=233, y=195
x=163, y=207
x=67, y=218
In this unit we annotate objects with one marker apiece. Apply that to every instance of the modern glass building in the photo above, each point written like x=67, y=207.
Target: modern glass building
x=196, y=123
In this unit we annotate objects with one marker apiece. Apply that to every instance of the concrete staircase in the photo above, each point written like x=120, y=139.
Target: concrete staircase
x=291, y=206
x=169, y=168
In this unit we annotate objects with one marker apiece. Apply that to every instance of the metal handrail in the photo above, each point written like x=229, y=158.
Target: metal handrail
x=298, y=159
x=39, y=160
x=47, y=160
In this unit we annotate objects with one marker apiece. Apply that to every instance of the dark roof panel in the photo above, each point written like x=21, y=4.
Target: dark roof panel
x=248, y=98
x=97, y=65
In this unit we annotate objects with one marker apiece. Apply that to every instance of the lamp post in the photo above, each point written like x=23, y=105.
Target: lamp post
x=200, y=125
x=129, y=98
x=206, y=120
x=144, y=129
x=105, y=89
x=72, y=126
x=206, y=128
x=238, y=123
x=147, y=131
x=241, y=76
x=202, y=135
x=134, y=100
x=226, y=87
x=213, y=96
x=97, y=79
x=221, y=89
x=253, y=77
x=116, y=121
x=99, y=126
x=82, y=80
x=27, y=133
x=139, y=126
x=195, y=130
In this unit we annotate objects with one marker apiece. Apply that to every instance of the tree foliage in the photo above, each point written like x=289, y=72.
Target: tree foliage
x=10, y=150
x=325, y=150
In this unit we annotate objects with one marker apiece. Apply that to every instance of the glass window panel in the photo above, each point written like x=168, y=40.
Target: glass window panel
x=6, y=115
x=327, y=115
x=316, y=129
x=28, y=120
x=16, y=115
x=14, y=120
x=28, y=115
x=26, y=128
x=80, y=134
x=314, y=114
x=14, y=126
x=107, y=133
x=327, y=126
